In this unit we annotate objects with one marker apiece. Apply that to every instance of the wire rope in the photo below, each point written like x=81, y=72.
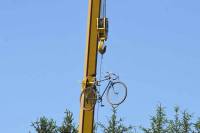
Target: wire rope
x=100, y=75
x=103, y=9
x=102, y=15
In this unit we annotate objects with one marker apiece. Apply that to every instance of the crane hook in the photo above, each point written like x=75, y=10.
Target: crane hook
x=101, y=47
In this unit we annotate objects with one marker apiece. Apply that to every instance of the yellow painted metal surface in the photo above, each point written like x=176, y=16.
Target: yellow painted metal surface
x=87, y=117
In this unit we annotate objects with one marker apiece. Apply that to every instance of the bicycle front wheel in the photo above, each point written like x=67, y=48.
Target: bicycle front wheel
x=116, y=93
x=88, y=98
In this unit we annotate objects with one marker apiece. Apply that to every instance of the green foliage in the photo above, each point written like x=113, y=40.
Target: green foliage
x=115, y=125
x=174, y=126
x=186, y=124
x=43, y=125
x=197, y=126
x=181, y=123
x=68, y=126
x=158, y=122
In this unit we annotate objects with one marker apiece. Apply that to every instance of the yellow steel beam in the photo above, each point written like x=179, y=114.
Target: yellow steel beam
x=87, y=117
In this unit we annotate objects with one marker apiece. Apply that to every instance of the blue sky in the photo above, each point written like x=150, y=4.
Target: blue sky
x=153, y=46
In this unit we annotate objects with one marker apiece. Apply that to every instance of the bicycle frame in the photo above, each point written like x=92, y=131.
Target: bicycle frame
x=111, y=80
x=108, y=86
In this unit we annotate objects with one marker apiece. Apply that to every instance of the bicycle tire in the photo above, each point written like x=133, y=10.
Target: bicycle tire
x=124, y=88
x=88, y=99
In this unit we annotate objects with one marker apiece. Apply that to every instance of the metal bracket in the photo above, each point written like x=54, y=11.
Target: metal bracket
x=102, y=28
x=88, y=81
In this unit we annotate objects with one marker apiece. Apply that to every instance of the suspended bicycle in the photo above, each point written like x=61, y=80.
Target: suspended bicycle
x=116, y=92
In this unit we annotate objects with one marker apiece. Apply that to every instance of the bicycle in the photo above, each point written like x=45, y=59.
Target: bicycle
x=116, y=93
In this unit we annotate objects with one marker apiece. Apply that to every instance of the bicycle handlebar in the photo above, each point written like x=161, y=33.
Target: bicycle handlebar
x=110, y=75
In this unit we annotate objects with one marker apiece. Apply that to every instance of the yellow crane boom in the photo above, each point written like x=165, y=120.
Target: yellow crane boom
x=96, y=35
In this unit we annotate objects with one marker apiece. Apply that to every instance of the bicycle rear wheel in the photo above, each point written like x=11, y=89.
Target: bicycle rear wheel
x=88, y=98
x=116, y=93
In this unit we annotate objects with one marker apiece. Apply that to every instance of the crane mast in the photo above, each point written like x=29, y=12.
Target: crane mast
x=96, y=35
